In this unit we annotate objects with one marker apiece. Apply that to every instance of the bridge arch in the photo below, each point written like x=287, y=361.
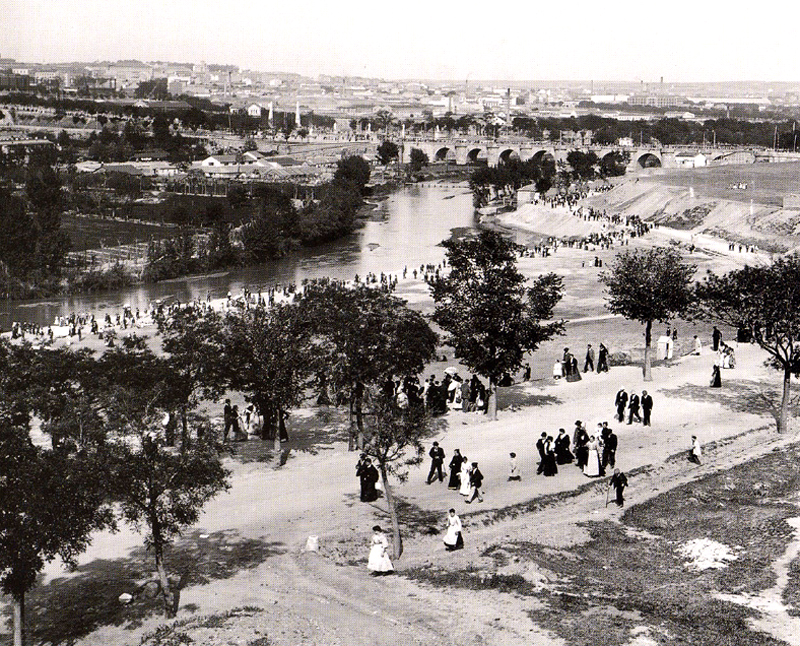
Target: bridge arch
x=648, y=160
x=541, y=155
x=444, y=153
x=476, y=155
x=507, y=155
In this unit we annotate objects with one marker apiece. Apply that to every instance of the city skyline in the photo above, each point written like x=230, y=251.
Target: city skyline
x=687, y=43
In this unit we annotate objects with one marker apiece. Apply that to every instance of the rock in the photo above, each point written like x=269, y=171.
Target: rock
x=125, y=598
x=312, y=543
x=150, y=589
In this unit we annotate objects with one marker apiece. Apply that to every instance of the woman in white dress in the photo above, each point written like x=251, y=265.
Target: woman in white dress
x=558, y=369
x=453, y=539
x=465, y=489
x=379, y=561
x=592, y=468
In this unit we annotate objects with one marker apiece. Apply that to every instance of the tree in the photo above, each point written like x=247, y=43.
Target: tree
x=765, y=301
x=583, y=164
x=490, y=317
x=162, y=490
x=387, y=151
x=50, y=503
x=395, y=443
x=648, y=285
x=419, y=158
x=266, y=355
x=363, y=336
x=615, y=163
x=353, y=168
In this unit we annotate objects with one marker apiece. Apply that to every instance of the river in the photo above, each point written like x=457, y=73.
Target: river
x=404, y=231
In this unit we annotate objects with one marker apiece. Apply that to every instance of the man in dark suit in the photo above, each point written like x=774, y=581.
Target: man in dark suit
x=540, y=448
x=633, y=409
x=609, y=448
x=621, y=402
x=437, y=460
x=647, y=406
x=588, y=365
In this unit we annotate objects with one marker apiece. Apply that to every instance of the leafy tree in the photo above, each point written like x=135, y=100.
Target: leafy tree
x=491, y=319
x=353, y=168
x=583, y=164
x=43, y=190
x=18, y=242
x=266, y=355
x=648, y=285
x=419, y=159
x=363, y=336
x=50, y=503
x=395, y=443
x=192, y=343
x=764, y=300
x=614, y=164
x=384, y=119
x=387, y=151
x=163, y=491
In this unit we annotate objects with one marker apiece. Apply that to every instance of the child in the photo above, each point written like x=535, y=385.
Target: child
x=513, y=473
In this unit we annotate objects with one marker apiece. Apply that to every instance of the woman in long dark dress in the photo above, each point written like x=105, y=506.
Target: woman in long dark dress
x=716, y=378
x=550, y=468
x=563, y=454
x=574, y=374
x=581, y=447
x=455, y=470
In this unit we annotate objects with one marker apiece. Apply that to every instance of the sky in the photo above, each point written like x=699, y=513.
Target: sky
x=516, y=40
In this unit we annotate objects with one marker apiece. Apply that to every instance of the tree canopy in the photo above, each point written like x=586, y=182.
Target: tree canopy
x=490, y=317
x=765, y=301
x=648, y=285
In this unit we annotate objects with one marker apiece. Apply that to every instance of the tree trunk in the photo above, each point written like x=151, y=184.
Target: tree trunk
x=491, y=409
x=19, y=619
x=397, y=540
x=784, y=421
x=359, y=421
x=184, y=429
x=166, y=593
x=648, y=369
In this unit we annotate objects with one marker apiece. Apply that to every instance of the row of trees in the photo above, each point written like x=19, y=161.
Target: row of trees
x=262, y=222
x=656, y=285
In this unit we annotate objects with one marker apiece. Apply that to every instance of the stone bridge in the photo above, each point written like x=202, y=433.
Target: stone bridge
x=494, y=151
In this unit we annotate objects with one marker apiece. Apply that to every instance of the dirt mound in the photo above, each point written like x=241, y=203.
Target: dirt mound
x=680, y=207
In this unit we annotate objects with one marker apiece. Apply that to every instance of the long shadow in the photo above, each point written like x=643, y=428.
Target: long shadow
x=736, y=394
x=70, y=607
x=513, y=397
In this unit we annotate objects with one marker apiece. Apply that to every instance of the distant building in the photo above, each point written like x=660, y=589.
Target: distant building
x=655, y=100
x=15, y=82
x=791, y=201
x=690, y=160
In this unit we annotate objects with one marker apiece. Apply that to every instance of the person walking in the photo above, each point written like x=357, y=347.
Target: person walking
x=609, y=448
x=475, y=482
x=647, y=407
x=633, y=409
x=455, y=470
x=618, y=482
x=437, y=461
x=602, y=359
x=588, y=365
x=540, y=447
x=464, y=488
x=513, y=469
x=379, y=562
x=227, y=416
x=369, y=476
x=621, y=402
x=716, y=337
x=453, y=540
x=696, y=452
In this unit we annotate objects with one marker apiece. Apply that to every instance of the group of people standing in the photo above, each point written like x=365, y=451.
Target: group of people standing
x=590, y=453
x=634, y=405
x=567, y=366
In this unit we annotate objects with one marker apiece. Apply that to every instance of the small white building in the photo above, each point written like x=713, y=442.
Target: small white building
x=219, y=160
x=690, y=160
x=255, y=110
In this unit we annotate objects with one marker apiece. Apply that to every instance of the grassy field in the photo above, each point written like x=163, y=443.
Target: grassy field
x=630, y=577
x=96, y=233
x=766, y=183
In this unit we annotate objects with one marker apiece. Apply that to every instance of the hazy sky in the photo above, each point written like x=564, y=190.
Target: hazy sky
x=476, y=39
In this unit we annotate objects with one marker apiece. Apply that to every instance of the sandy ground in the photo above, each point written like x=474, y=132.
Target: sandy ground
x=329, y=598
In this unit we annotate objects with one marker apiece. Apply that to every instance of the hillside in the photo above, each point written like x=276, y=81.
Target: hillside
x=681, y=206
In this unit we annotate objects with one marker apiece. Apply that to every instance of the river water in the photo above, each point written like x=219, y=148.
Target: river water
x=404, y=231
